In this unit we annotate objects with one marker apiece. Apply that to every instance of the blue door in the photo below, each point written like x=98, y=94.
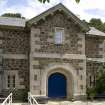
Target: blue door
x=57, y=86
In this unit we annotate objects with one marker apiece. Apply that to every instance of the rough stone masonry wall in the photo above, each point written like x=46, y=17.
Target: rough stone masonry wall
x=44, y=42
x=22, y=68
x=91, y=70
x=94, y=46
x=16, y=41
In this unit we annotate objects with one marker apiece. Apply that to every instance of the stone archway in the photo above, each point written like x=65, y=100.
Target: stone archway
x=67, y=71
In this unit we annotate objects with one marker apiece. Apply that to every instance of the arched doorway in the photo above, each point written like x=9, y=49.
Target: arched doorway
x=57, y=85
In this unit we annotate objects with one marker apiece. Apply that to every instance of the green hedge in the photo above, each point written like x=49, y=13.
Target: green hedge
x=20, y=95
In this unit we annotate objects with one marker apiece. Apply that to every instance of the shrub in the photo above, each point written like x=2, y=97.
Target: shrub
x=20, y=95
x=91, y=93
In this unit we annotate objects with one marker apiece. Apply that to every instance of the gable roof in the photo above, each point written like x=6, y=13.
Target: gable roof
x=55, y=8
x=94, y=31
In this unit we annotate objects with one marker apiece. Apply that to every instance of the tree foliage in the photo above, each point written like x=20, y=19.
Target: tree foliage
x=97, y=23
x=14, y=15
x=99, y=88
x=91, y=93
x=100, y=82
x=44, y=1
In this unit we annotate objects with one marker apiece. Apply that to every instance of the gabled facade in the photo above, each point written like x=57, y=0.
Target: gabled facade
x=54, y=54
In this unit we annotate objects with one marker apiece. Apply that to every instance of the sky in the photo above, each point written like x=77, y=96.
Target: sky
x=86, y=9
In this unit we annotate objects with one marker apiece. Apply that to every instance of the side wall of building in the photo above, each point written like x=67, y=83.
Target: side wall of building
x=95, y=57
x=14, y=58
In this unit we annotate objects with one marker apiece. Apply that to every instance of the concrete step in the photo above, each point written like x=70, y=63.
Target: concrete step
x=25, y=104
x=19, y=103
x=77, y=103
x=67, y=103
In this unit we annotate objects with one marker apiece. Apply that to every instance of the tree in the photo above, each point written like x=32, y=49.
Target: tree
x=44, y=1
x=91, y=93
x=99, y=88
x=97, y=23
x=100, y=82
x=15, y=15
x=103, y=27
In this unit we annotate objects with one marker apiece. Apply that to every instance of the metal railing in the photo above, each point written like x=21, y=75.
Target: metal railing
x=8, y=100
x=32, y=100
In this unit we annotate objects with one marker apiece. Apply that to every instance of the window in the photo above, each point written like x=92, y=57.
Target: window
x=81, y=77
x=94, y=83
x=81, y=86
x=1, y=41
x=35, y=77
x=34, y=66
x=77, y=72
x=90, y=81
x=11, y=81
x=59, y=35
x=8, y=81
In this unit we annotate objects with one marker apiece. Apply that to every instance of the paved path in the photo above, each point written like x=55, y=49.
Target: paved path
x=68, y=103
x=77, y=103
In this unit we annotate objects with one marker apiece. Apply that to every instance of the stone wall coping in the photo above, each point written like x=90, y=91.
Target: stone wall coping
x=60, y=56
x=96, y=59
x=14, y=56
x=67, y=56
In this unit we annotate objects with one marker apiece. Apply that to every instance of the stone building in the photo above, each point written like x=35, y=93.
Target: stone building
x=53, y=54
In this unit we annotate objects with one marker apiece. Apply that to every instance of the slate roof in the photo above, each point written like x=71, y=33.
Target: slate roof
x=8, y=21
x=94, y=31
